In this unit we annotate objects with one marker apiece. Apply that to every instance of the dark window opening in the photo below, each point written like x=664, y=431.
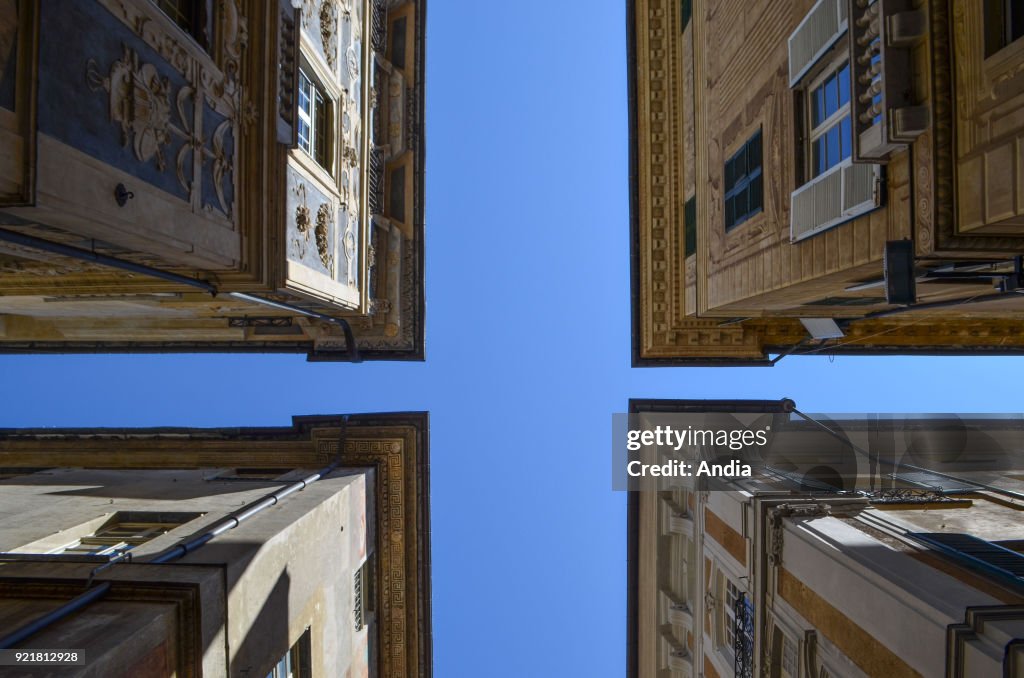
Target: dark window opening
x=685, y=10
x=396, y=194
x=744, y=190
x=397, y=35
x=1004, y=23
x=690, y=227
x=195, y=17
x=252, y=474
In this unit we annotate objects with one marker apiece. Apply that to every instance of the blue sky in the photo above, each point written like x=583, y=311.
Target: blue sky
x=527, y=348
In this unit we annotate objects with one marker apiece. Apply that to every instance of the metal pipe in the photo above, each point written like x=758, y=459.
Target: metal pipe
x=103, y=259
x=350, y=340
x=18, y=635
x=939, y=304
x=174, y=553
x=237, y=518
x=125, y=265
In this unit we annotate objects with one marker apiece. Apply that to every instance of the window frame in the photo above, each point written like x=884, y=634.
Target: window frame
x=828, y=66
x=690, y=226
x=729, y=589
x=997, y=26
x=319, y=119
x=200, y=17
x=744, y=183
x=296, y=661
x=794, y=646
x=844, y=184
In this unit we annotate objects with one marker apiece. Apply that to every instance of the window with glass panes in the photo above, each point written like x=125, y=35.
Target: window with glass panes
x=314, y=134
x=116, y=537
x=732, y=594
x=297, y=662
x=789, y=658
x=744, y=191
x=829, y=125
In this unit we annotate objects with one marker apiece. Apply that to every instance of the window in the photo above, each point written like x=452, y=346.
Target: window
x=358, y=592
x=314, y=130
x=685, y=10
x=123, y=532
x=732, y=595
x=690, y=227
x=831, y=189
x=296, y=662
x=1004, y=23
x=193, y=16
x=744, y=193
x=828, y=106
x=790, y=662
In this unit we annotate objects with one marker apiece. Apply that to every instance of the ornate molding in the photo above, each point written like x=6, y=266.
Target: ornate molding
x=329, y=31
x=140, y=97
x=396, y=547
x=348, y=244
x=324, y=217
x=776, y=525
x=302, y=220
x=234, y=28
x=139, y=103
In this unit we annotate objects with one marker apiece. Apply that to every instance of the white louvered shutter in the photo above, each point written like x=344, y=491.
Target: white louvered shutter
x=840, y=194
x=823, y=25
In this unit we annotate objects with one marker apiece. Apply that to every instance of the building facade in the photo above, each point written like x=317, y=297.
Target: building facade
x=233, y=175
x=294, y=551
x=852, y=164
x=918, y=573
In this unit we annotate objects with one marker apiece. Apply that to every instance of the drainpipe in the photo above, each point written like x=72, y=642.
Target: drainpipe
x=74, y=605
x=93, y=594
x=61, y=249
x=234, y=520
